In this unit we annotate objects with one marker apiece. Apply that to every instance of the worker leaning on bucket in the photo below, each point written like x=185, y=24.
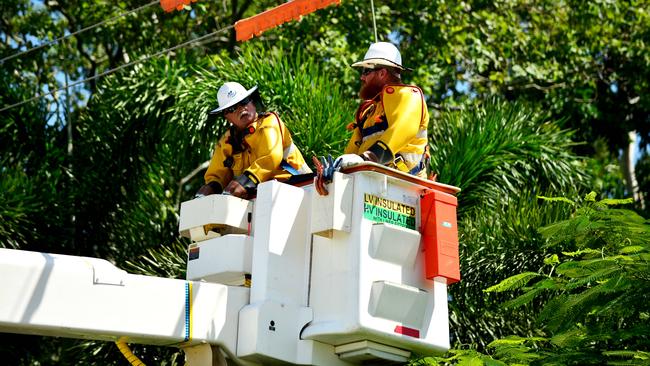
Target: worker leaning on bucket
x=390, y=125
x=257, y=147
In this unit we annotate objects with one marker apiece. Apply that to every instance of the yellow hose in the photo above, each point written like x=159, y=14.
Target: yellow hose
x=126, y=351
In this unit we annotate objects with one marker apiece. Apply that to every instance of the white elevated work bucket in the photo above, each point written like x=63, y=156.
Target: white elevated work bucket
x=358, y=275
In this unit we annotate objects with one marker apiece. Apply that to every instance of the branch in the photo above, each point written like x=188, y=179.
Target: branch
x=538, y=87
x=72, y=25
x=235, y=16
x=243, y=8
x=194, y=172
x=187, y=178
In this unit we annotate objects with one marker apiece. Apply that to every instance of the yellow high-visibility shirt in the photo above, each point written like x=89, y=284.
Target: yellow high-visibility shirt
x=397, y=119
x=266, y=144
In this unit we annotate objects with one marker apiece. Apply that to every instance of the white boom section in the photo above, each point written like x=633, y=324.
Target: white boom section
x=336, y=280
x=78, y=297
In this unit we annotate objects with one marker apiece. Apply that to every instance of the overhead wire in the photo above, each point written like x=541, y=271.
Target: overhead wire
x=108, y=72
x=374, y=21
x=57, y=40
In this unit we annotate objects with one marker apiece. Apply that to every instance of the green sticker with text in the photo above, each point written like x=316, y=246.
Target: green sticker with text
x=380, y=209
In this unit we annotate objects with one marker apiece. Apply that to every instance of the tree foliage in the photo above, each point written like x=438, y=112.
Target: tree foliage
x=583, y=60
x=585, y=63
x=600, y=284
x=501, y=155
x=496, y=150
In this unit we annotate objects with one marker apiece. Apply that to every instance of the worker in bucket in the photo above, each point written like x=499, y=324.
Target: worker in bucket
x=390, y=125
x=256, y=148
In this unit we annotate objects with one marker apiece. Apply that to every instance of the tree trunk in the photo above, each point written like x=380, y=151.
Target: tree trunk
x=627, y=165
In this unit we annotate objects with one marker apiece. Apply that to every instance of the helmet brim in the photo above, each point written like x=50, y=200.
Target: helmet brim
x=371, y=63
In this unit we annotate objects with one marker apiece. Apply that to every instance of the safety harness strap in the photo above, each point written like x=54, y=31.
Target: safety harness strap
x=401, y=165
x=377, y=127
x=286, y=166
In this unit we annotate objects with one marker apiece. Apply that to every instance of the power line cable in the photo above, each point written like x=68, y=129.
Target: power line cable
x=167, y=50
x=374, y=21
x=47, y=44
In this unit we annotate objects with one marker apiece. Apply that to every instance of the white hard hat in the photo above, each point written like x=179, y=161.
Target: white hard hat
x=230, y=94
x=382, y=54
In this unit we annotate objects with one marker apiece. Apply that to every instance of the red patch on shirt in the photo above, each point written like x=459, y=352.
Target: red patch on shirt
x=251, y=130
x=390, y=90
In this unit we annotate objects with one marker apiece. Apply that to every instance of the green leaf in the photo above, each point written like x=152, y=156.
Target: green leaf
x=590, y=197
x=553, y=259
x=615, y=202
x=632, y=249
x=513, y=282
x=581, y=252
x=557, y=199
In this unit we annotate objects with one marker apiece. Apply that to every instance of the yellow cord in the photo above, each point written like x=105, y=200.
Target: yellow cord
x=126, y=351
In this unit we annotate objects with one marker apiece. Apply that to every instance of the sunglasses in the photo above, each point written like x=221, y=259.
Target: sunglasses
x=366, y=70
x=233, y=108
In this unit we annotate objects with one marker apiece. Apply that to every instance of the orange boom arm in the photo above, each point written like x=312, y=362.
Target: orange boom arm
x=293, y=10
x=171, y=5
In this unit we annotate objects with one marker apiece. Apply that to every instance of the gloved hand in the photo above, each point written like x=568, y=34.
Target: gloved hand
x=343, y=161
x=208, y=189
x=325, y=168
x=328, y=168
x=234, y=188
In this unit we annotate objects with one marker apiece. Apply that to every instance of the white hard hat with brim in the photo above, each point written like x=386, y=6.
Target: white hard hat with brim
x=382, y=54
x=230, y=94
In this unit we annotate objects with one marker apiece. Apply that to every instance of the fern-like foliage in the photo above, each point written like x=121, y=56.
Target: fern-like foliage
x=528, y=296
x=514, y=282
x=600, y=281
x=461, y=357
x=162, y=261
